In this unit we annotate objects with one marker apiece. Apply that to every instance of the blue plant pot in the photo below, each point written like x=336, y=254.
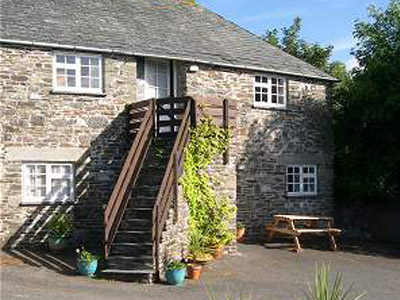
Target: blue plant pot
x=175, y=277
x=87, y=269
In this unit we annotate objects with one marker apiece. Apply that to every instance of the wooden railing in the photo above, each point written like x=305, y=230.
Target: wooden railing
x=142, y=121
x=168, y=192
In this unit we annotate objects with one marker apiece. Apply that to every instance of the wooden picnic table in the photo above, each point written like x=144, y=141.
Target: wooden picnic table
x=289, y=225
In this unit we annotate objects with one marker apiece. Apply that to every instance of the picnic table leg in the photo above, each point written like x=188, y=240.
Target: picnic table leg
x=270, y=233
x=296, y=238
x=332, y=241
x=331, y=237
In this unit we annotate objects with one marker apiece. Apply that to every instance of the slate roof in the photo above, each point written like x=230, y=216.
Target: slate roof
x=160, y=28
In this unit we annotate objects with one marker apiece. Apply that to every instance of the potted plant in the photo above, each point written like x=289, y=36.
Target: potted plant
x=241, y=229
x=197, y=255
x=87, y=262
x=176, y=272
x=60, y=229
x=219, y=242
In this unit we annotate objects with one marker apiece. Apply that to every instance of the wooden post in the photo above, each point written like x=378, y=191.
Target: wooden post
x=225, y=112
x=175, y=187
x=193, y=112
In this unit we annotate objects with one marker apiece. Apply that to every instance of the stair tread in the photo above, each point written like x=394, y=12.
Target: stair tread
x=112, y=257
x=131, y=244
x=133, y=231
x=139, y=208
x=119, y=271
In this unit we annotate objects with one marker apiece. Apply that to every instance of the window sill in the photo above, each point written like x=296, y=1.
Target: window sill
x=78, y=93
x=301, y=195
x=276, y=108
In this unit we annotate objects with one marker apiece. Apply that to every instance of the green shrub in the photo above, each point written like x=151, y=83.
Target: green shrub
x=209, y=214
x=85, y=256
x=323, y=289
x=175, y=265
x=60, y=225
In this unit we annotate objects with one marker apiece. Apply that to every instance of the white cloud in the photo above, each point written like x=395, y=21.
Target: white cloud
x=344, y=44
x=352, y=63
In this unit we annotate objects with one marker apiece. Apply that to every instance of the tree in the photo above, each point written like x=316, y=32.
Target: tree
x=291, y=43
x=367, y=115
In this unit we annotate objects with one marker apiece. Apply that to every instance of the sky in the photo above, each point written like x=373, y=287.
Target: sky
x=327, y=22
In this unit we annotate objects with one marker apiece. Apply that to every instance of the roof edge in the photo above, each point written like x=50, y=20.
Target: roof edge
x=121, y=52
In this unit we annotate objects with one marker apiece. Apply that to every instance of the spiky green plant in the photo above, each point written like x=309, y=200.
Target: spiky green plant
x=325, y=289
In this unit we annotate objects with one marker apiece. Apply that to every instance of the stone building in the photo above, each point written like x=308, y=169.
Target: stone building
x=70, y=68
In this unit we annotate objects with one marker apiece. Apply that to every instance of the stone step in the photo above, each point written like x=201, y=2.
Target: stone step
x=138, y=213
x=136, y=224
x=130, y=263
x=133, y=236
x=139, y=201
x=141, y=275
x=131, y=249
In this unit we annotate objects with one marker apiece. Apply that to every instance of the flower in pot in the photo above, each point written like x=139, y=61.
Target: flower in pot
x=87, y=262
x=60, y=230
x=176, y=272
x=241, y=229
x=197, y=254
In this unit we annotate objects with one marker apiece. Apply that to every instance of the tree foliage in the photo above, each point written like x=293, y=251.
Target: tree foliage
x=291, y=43
x=367, y=112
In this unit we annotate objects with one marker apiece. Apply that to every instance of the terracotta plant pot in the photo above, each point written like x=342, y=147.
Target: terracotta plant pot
x=219, y=251
x=240, y=234
x=194, y=271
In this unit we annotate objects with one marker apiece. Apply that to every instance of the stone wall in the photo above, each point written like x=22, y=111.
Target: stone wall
x=267, y=140
x=40, y=125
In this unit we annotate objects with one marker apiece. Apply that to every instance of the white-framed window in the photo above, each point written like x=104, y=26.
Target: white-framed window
x=269, y=91
x=77, y=73
x=301, y=180
x=47, y=183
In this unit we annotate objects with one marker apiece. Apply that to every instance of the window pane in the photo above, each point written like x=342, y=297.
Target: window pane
x=290, y=188
x=265, y=79
x=296, y=178
x=281, y=100
x=258, y=89
x=265, y=98
x=85, y=82
x=70, y=59
x=305, y=188
x=67, y=169
x=71, y=81
x=273, y=100
x=41, y=192
x=297, y=188
x=85, y=61
x=296, y=170
x=312, y=170
x=85, y=71
x=41, y=180
x=41, y=169
x=258, y=79
x=274, y=89
x=265, y=90
x=95, y=83
x=290, y=178
x=94, y=61
x=94, y=71
x=60, y=59
x=60, y=71
x=60, y=81
x=290, y=169
x=312, y=187
x=280, y=81
x=280, y=90
x=273, y=80
x=258, y=97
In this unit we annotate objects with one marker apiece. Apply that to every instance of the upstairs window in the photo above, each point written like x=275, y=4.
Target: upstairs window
x=269, y=91
x=77, y=73
x=301, y=180
x=47, y=183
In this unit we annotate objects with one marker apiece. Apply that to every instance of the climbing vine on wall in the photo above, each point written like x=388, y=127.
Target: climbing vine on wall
x=210, y=215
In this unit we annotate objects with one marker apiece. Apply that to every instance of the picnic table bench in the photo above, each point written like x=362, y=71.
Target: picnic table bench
x=288, y=225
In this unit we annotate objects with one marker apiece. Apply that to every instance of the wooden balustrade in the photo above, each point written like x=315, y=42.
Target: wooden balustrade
x=143, y=114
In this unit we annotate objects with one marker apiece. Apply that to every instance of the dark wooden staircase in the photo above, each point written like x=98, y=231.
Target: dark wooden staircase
x=146, y=188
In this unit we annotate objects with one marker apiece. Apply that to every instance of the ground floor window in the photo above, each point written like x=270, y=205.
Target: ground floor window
x=301, y=180
x=47, y=183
